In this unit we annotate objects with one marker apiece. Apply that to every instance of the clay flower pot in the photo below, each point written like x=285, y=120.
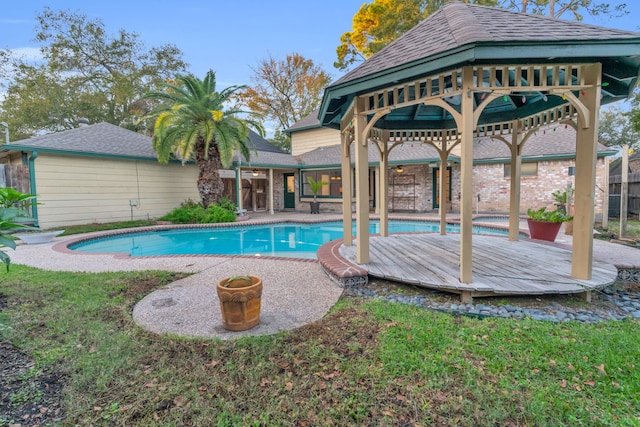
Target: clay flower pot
x=543, y=230
x=240, y=302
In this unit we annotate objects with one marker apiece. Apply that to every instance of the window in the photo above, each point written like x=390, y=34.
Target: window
x=527, y=169
x=332, y=177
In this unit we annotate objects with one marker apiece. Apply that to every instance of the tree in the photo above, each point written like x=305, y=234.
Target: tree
x=281, y=140
x=635, y=110
x=558, y=8
x=616, y=129
x=84, y=73
x=193, y=124
x=380, y=22
x=285, y=91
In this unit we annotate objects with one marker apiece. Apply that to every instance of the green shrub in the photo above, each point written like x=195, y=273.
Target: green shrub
x=543, y=215
x=191, y=212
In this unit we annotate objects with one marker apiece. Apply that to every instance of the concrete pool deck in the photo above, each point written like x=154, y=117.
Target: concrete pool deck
x=296, y=292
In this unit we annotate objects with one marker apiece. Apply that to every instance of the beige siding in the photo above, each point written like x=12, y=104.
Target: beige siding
x=308, y=140
x=82, y=190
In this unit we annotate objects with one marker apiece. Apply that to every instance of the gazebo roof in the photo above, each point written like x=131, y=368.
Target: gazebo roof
x=460, y=34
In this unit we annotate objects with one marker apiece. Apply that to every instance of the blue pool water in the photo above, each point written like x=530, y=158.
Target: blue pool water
x=290, y=240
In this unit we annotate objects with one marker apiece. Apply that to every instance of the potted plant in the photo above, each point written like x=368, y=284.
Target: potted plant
x=560, y=199
x=240, y=298
x=544, y=225
x=315, y=187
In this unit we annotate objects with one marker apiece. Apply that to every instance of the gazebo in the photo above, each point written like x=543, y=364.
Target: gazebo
x=468, y=71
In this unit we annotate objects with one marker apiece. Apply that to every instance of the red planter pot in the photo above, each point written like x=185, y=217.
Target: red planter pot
x=543, y=230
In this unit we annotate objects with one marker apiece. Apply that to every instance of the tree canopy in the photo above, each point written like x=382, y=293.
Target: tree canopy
x=616, y=127
x=193, y=123
x=378, y=23
x=84, y=72
x=284, y=91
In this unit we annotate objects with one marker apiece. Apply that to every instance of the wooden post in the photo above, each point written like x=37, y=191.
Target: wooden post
x=362, y=183
x=605, y=201
x=586, y=157
x=442, y=202
x=347, y=195
x=466, y=181
x=383, y=187
x=514, y=190
x=624, y=191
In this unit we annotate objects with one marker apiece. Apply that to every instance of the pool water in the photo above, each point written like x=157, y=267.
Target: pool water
x=289, y=240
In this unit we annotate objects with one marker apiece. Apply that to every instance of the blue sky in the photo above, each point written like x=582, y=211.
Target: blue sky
x=227, y=36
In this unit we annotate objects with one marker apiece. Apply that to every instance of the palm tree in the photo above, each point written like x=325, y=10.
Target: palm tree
x=193, y=124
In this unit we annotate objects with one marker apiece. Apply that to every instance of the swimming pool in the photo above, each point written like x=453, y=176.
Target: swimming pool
x=288, y=240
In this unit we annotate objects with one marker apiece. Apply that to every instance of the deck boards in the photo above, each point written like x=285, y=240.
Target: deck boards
x=500, y=266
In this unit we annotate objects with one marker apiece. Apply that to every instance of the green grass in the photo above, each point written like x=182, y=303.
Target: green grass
x=366, y=363
x=633, y=228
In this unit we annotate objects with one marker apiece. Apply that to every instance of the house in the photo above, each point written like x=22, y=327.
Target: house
x=104, y=173
x=548, y=165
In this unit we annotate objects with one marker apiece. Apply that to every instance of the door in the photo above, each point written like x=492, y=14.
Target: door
x=436, y=187
x=289, y=191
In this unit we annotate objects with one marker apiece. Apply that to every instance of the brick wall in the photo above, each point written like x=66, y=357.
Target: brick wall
x=535, y=191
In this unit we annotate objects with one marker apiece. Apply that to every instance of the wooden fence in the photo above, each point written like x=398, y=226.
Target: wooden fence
x=615, y=184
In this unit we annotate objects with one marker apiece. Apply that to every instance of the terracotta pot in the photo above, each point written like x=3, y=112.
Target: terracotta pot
x=543, y=230
x=240, y=302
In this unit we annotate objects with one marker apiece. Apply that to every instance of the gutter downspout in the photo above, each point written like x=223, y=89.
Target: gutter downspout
x=32, y=185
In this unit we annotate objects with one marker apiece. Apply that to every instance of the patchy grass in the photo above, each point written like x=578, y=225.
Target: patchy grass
x=613, y=229
x=366, y=363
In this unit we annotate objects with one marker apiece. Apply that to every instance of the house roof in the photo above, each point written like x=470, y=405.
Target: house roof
x=308, y=122
x=102, y=139
x=458, y=24
x=107, y=140
x=404, y=154
x=548, y=143
x=461, y=34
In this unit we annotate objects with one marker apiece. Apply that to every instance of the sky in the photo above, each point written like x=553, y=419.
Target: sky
x=227, y=36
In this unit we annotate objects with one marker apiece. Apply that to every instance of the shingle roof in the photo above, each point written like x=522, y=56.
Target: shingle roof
x=554, y=140
x=550, y=141
x=309, y=121
x=110, y=140
x=458, y=24
x=100, y=138
x=406, y=153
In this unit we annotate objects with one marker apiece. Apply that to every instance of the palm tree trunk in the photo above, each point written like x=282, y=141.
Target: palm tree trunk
x=210, y=184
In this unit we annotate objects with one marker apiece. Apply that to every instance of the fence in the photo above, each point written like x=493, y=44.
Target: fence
x=633, y=193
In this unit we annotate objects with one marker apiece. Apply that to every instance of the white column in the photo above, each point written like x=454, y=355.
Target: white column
x=383, y=186
x=271, y=191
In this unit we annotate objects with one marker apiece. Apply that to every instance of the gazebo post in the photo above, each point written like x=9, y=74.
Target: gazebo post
x=586, y=157
x=347, y=196
x=466, y=180
x=442, y=201
x=362, y=183
x=383, y=204
x=514, y=190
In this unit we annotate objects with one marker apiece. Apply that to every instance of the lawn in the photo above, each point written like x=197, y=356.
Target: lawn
x=633, y=229
x=366, y=363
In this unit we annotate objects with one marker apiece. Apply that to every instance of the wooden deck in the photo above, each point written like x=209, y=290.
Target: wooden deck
x=500, y=267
